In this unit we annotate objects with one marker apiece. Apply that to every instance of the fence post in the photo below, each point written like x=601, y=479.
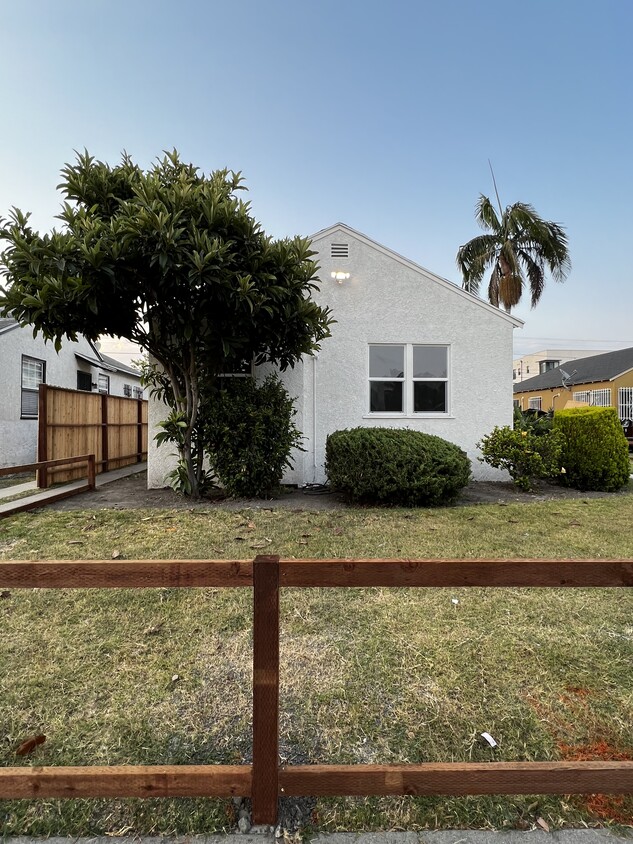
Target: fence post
x=104, y=433
x=265, y=787
x=91, y=471
x=42, y=435
x=139, y=430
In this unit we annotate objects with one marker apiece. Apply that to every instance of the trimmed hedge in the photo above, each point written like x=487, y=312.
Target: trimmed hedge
x=595, y=454
x=395, y=466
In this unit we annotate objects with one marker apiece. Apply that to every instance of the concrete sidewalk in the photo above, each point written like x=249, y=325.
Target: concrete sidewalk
x=41, y=497
x=445, y=836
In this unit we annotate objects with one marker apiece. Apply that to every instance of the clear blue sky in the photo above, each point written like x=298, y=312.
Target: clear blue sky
x=382, y=115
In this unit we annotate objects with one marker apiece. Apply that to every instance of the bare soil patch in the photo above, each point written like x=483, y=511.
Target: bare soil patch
x=131, y=493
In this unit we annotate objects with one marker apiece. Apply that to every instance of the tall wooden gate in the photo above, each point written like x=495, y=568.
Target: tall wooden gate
x=72, y=422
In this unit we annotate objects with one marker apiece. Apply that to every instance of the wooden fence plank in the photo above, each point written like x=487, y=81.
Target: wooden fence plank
x=458, y=779
x=42, y=440
x=546, y=573
x=265, y=689
x=115, y=574
x=126, y=781
x=74, y=421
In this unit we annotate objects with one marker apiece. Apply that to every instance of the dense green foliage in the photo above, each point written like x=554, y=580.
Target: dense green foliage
x=534, y=421
x=248, y=434
x=171, y=259
x=518, y=247
x=595, y=454
x=395, y=466
x=527, y=454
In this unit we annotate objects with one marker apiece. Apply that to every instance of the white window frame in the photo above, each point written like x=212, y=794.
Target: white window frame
x=30, y=389
x=582, y=395
x=625, y=402
x=103, y=384
x=601, y=398
x=596, y=398
x=408, y=381
x=535, y=403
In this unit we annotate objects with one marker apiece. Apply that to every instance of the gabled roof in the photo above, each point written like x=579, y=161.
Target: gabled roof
x=120, y=367
x=590, y=370
x=7, y=323
x=475, y=300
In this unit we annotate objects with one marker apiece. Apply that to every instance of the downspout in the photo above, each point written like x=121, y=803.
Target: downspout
x=314, y=416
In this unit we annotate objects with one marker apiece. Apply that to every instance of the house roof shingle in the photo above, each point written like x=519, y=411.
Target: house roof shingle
x=6, y=323
x=588, y=370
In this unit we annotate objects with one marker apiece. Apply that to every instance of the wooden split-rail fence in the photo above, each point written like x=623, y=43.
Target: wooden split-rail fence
x=265, y=780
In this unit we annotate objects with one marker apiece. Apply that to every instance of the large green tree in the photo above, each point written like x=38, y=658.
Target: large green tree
x=172, y=259
x=519, y=247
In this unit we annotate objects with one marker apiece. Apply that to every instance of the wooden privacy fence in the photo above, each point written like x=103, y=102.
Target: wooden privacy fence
x=71, y=422
x=264, y=781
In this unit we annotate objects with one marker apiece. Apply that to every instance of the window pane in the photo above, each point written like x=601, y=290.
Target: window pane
x=32, y=373
x=29, y=404
x=430, y=362
x=429, y=397
x=386, y=396
x=84, y=381
x=386, y=361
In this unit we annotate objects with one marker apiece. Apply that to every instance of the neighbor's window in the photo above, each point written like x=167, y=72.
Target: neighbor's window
x=138, y=392
x=103, y=383
x=33, y=374
x=546, y=365
x=127, y=390
x=534, y=403
x=84, y=381
x=408, y=378
x=597, y=398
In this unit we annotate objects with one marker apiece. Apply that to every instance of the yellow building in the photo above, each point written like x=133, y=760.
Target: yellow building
x=602, y=380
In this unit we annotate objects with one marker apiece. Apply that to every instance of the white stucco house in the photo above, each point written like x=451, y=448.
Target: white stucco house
x=408, y=350
x=27, y=361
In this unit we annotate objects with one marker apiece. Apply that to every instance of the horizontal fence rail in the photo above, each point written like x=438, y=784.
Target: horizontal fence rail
x=72, y=422
x=44, y=466
x=265, y=781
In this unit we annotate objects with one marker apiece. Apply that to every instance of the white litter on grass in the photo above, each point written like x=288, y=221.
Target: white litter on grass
x=455, y=601
x=489, y=739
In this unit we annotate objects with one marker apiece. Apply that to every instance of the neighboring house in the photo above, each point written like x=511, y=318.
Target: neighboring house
x=408, y=350
x=605, y=380
x=537, y=363
x=27, y=362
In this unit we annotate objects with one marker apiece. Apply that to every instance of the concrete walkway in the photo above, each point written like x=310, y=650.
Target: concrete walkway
x=445, y=836
x=43, y=496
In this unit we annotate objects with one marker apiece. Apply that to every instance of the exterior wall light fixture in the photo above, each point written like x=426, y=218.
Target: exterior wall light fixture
x=340, y=277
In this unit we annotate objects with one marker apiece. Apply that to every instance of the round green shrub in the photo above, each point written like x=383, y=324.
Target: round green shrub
x=595, y=454
x=527, y=454
x=395, y=466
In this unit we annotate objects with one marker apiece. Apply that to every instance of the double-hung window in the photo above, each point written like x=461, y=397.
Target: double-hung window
x=408, y=379
x=103, y=383
x=33, y=374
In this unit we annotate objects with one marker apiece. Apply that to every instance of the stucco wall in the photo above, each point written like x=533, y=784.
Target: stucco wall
x=386, y=300
x=18, y=437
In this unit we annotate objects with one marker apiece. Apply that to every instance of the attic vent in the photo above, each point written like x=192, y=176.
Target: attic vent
x=339, y=250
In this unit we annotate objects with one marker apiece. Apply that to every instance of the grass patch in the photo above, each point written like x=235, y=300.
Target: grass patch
x=368, y=675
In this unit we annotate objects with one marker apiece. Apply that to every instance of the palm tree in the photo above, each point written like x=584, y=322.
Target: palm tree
x=518, y=249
